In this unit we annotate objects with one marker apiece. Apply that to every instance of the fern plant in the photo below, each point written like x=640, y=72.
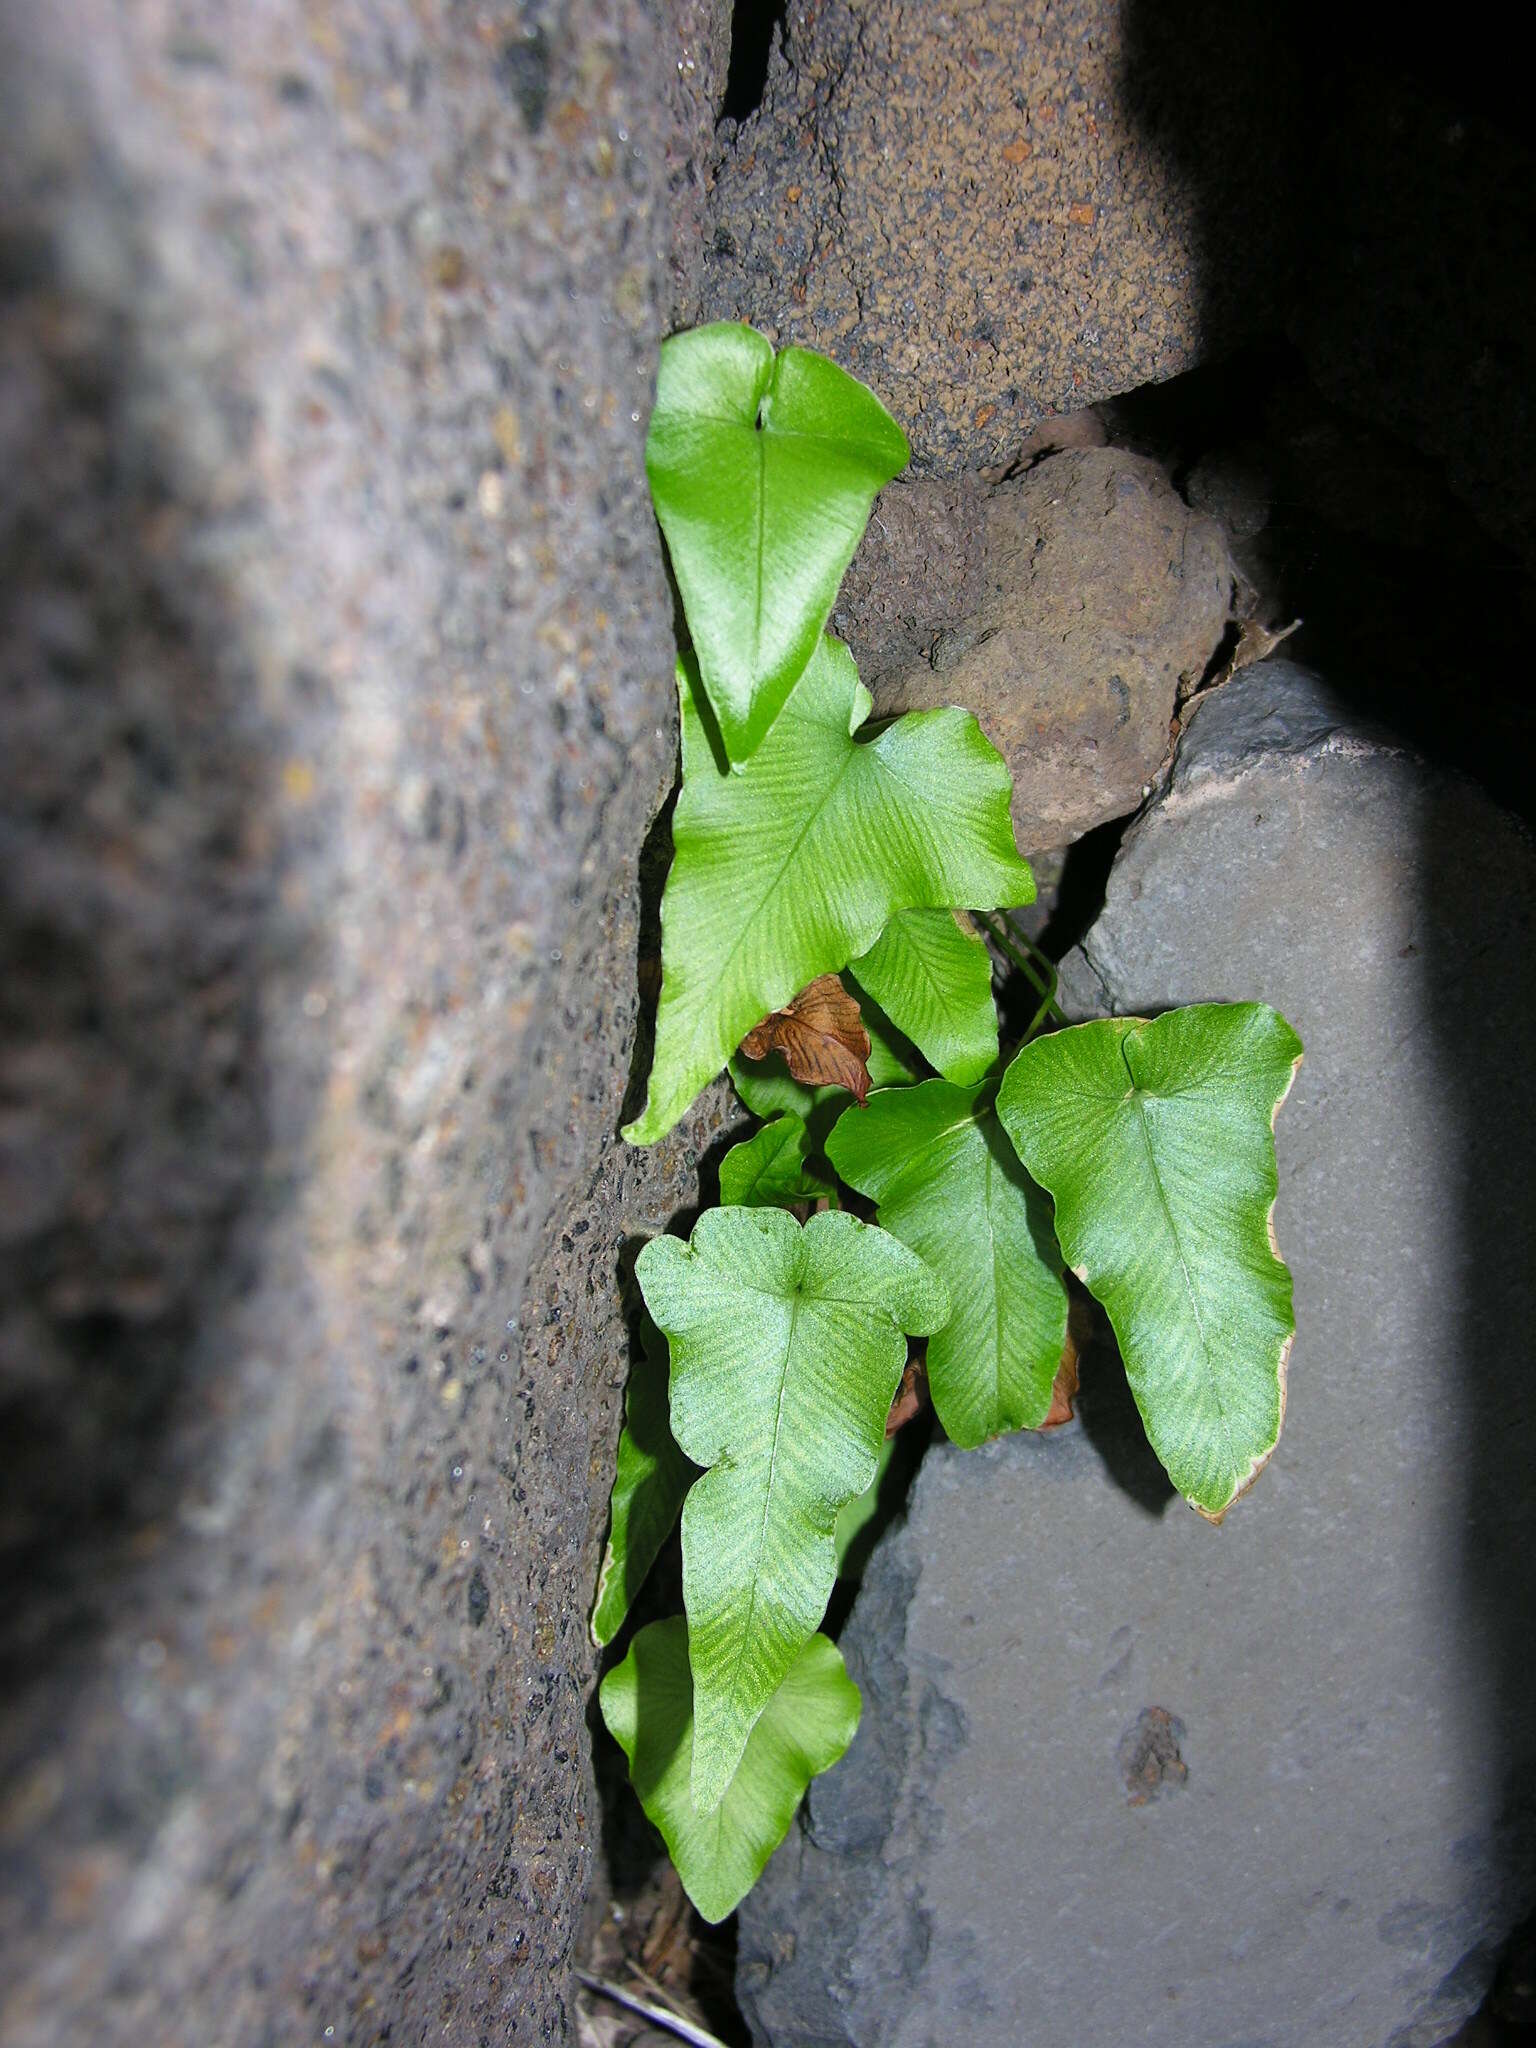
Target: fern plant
x=809, y=843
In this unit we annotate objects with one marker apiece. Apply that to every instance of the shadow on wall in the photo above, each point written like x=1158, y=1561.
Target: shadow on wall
x=1368, y=192
x=136, y=882
x=1364, y=191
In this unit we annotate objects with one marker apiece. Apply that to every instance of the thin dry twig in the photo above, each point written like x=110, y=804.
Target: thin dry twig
x=658, y=2015
x=659, y=1991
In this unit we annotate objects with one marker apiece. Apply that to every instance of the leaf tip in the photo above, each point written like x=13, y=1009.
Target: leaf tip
x=1216, y=1516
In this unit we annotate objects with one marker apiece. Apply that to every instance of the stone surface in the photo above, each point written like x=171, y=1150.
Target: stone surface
x=337, y=655
x=959, y=203
x=998, y=212
x=919, y=572
x=1089, y=592
x=1123, y=1776
x=694, y=57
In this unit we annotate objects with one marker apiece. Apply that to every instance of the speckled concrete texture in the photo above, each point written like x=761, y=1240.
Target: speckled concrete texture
x=958, y=203
x=336, y=656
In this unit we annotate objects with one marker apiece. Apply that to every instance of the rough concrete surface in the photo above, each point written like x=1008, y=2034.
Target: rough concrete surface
x=327, y=336
x=1100, y=592
x=1123, y=1776
x=957, y=201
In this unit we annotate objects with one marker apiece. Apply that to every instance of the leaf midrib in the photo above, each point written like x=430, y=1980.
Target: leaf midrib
x=762, y=521
x=746, y=923
x=1211, y=1376
x=953, y=1016
x=914, y=1163
x=997, y=1292
x=831, y=442
x=744, y=1636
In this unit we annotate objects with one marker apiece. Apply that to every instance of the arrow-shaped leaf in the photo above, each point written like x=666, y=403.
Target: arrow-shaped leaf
x=933, y=979
x=1156, y=1141
x=647, y=1702
x=771, y=1170
x=787, y=1345
x=649, y=1482
x=790, y=868
x=763, y=472
x=949, y=1184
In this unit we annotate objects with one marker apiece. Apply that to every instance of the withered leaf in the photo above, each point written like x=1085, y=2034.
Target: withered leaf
x=1063, y=1389
x=821, y=1036
x=1080, y=1330
x=911, y=1397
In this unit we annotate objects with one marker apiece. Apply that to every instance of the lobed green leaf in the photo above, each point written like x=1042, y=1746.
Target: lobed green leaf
x=1156, y=1141
x=771, y=1169
x=947, y=1182
x=763, y=471
x=787, y=1346
x=649, y=1483
x=792, y=867
x=933, y=979
x=647, y=1702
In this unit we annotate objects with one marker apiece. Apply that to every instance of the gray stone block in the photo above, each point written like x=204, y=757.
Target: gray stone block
x=1141, y=1779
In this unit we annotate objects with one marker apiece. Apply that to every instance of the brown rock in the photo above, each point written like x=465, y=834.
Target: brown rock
x=1101, y=590
x=918, y=571
x=982, y=229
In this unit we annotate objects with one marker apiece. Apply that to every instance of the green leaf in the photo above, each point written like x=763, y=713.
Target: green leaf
x=792, y=867
x=1157, y=1142
x=770, y=1169
x=649, y=1482
x=763, y=472
x=855, y=1515
x=647, y=1702
x=948, y=1183
x=769, y=1089
x=787, y=1347
x=933, y=979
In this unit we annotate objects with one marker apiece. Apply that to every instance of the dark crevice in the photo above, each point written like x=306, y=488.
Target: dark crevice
x=753, y=25
x=1080, y=893
x=1335, y=520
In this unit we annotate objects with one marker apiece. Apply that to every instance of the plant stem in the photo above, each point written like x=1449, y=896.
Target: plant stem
x=1009, y=942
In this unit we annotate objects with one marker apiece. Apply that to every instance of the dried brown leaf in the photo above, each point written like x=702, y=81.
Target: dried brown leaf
x=1064, y=1387
x=911, y=1396
x=821, y=1036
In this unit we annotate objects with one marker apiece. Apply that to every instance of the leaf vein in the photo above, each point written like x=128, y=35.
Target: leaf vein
x=1213, y=1378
